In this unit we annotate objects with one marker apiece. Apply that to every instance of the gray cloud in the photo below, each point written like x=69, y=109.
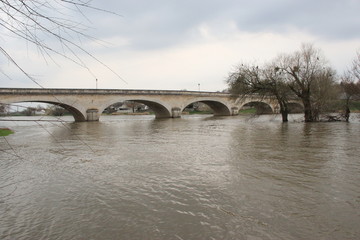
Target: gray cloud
x=326, y=19
x=158, y=24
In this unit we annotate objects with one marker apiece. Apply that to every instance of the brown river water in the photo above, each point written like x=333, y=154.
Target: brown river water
x=198, y=177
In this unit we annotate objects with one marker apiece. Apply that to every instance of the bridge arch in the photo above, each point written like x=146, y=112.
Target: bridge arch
x=76, y=113
x=260, y=106
x=219, y=107
x=160, y=110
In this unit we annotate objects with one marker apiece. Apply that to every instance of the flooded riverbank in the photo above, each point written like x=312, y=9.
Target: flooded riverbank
x=198, y=177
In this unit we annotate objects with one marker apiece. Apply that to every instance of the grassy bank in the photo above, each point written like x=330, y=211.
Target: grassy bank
x=355, y=106
x=129, y=113
x=5, y=132
x=247, y=111
x=200, y=112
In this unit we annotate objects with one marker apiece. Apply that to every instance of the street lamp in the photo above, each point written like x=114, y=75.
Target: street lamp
x=96, y=83
x=199, y=86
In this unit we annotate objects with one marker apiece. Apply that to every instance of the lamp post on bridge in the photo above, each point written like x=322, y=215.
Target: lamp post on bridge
x=96, y=83
x=199, y=86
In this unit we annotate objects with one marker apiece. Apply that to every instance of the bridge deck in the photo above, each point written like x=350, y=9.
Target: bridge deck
x=68, y=91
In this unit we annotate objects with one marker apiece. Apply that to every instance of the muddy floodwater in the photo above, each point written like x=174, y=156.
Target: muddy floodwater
x=198, y=177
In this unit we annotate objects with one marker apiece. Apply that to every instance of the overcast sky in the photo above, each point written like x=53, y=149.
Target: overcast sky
x=174, y=45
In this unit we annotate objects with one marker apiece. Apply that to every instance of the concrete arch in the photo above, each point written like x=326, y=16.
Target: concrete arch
x=271, y=107
x=159, y=109
x=219, y=108
x=76, y=113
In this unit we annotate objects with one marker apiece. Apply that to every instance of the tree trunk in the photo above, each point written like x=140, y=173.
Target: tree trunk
x=347, y=110
x=284, y=111
x=308, y=113
x=347, y=114
x=284, y=115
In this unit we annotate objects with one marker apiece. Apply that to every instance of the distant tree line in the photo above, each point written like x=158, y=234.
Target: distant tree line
x=51, y=110
x=126, y=105
x=303, y=75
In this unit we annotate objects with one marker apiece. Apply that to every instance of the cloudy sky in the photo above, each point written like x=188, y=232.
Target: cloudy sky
x=174, y=45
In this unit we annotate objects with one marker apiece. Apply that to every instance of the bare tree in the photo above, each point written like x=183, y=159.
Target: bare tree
x=349, y=89
x=3, y=109
x=54, y=110
x=350, y=84
x=51, y=26
x=355, y=70
x=133, y=105
x=29, y=111
x=265, y=81
x=324, y=93
x=279, y=89
x=304, y=70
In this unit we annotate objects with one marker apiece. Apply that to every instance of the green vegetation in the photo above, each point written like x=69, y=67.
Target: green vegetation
x=355, y=106
x=200, y=112
x=247, y=111
x=5, y=132
x=338, y=106
x=129, y=113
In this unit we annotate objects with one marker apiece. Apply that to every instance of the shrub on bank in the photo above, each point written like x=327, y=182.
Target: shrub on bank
x=5, y=132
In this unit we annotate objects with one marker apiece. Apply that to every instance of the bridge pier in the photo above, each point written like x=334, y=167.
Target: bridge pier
x=234, y=111
x=176, y=112
x=92, y=115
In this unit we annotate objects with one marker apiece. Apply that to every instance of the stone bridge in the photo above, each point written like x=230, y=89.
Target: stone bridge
x=88, y=104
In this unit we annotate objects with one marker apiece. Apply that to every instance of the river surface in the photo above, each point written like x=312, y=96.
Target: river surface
x=198, y=177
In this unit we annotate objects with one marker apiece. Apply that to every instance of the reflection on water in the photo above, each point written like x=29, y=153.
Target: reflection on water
x=198, y=177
